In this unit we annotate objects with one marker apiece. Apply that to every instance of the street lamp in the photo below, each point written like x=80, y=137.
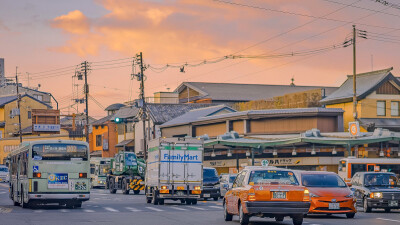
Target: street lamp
x=334, y=152
x=313, y=150
x=247, y=153
x=229, y=154
x=275, y=152
x=213, y=154
x=381, y=153
x=294, y=151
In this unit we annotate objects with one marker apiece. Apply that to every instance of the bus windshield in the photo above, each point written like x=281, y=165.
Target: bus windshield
x=59, y=152
x=322, y=180
x=272, y=177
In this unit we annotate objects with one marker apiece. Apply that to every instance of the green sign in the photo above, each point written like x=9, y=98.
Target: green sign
x=265, y=162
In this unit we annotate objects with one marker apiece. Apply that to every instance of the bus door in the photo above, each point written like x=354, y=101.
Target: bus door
x=371, y=167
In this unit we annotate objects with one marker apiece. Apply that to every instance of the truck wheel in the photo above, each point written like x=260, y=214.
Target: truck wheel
x=161, y=201
x=188, y=201
x=387, y=210
x=112, y=186
x=194, y=202
x=298, y=220
x=136, y=192
x=125, y=189
x=183, y=201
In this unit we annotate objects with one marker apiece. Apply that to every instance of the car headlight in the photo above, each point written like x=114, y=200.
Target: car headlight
x=349, y=196
x=313, y=195
x=376, y=195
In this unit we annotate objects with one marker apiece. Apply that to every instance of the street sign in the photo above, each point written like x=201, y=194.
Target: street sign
x=264, y=162
x=46, y=127
x=354, y=128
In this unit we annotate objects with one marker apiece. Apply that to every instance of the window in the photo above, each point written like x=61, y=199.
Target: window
x=381, y=108
x=29, y=115
x=38, y=97
x=98, y=140
x=394, y=109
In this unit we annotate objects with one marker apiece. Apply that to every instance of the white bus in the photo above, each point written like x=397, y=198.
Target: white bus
x=99, y=168
x=349, y=166
x=51, y=171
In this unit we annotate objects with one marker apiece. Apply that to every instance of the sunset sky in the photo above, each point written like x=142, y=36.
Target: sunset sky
x=45, y=35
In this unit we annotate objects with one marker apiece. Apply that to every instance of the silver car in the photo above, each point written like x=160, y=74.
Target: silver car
x=4, y=174
x=226, y=181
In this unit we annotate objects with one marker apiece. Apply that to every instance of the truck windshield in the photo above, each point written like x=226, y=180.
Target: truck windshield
x=3, y=169
x=380, y=179
x=60, y=152
x=103, y=170
x=209, y=173
x=130, y=159
x=322, y=180
x=272, y=177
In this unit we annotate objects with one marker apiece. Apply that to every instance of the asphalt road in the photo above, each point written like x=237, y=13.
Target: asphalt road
x=105, y=208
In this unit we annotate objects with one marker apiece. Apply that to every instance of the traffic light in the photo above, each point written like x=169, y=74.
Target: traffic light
x=118, y=120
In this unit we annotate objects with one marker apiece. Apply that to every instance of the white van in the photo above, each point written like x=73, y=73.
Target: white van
x=4, y=174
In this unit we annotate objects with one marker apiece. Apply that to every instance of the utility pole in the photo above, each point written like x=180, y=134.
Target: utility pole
x=354, y=76
x=18, y=105
x=142, y=104
x=85, y=65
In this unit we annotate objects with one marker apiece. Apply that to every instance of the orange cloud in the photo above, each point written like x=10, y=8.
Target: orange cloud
x=74, y=22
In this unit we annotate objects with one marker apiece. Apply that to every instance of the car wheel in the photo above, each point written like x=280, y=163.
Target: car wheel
x=279, y=218
x=350, y=215
x=216, y=199
x=243, y=218
x=298, y=220
x=227, y=216
x=387, y=210
x=136, y=192
x=366, y=208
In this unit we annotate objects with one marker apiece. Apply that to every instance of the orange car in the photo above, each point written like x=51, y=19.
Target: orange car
x=266, y=192
x=329, y=193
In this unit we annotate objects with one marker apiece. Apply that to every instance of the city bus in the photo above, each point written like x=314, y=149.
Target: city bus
x=349, y=166
x=50, y=171
x=99, y=168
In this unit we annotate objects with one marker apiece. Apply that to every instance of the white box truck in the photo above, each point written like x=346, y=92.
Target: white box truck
x=174, y=170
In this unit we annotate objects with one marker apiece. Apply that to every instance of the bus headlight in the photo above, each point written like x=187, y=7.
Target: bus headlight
x=376, y=195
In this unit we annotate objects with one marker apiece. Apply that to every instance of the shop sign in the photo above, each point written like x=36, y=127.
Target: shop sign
x=284, y=161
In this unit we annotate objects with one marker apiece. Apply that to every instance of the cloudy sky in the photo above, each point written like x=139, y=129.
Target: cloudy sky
x=48, y=38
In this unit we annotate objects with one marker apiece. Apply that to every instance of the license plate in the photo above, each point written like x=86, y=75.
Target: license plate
x=393, y=203
x=334, y=206
x=279, y=194
x=207, y=195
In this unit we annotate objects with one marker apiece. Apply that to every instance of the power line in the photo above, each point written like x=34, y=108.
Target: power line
x=386, y=3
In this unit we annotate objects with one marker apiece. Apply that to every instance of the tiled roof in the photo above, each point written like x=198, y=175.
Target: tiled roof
x=161, y=113
x=124, y=142
x=366, y=83
x=7, y=99
x=270, y=113
x=102, y=120
x=246, y=92
x=67, y=120
x=195, y=114
x=126, y=112
x=115, y=106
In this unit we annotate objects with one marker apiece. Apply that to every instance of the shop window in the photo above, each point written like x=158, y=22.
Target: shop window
x=394, y=109
x=381, y=108
x=98, y=140
x=29, y=115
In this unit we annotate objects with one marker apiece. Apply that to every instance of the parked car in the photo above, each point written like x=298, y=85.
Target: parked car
x=376, y=190
x=266, y=192
x=329, y=193
x=4, y=174
x=225, y=183
x=210, y=184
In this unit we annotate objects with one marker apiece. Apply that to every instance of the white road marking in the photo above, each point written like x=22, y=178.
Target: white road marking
x=194, y=207
x=155, y=209
x=177, y=208
x=133, y=209
x=64, y=210
x=96, y=206
x=110, y=209
x=88, y=210
x=215, y=207
x=398, y=221
x=3, y=192
x=38, y=211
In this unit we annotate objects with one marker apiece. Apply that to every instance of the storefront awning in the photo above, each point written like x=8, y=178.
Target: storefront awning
x=124, y=143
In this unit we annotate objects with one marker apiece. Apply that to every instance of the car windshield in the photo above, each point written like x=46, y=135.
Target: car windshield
x=3, y=169
x=380, y=179
x=209, y=173
x=231, y=179
x=272, y=177
x=322, y=180
x=59, y=152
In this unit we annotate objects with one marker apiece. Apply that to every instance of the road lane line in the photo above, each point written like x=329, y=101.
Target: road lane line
x=177, y=208
x=215, y=207
x=110, y=209
x=397, y=221
x=88, y=210
x=133, y=209
x=194, y=207
x=64, y=210
x=38, y=211
x=155, y=209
